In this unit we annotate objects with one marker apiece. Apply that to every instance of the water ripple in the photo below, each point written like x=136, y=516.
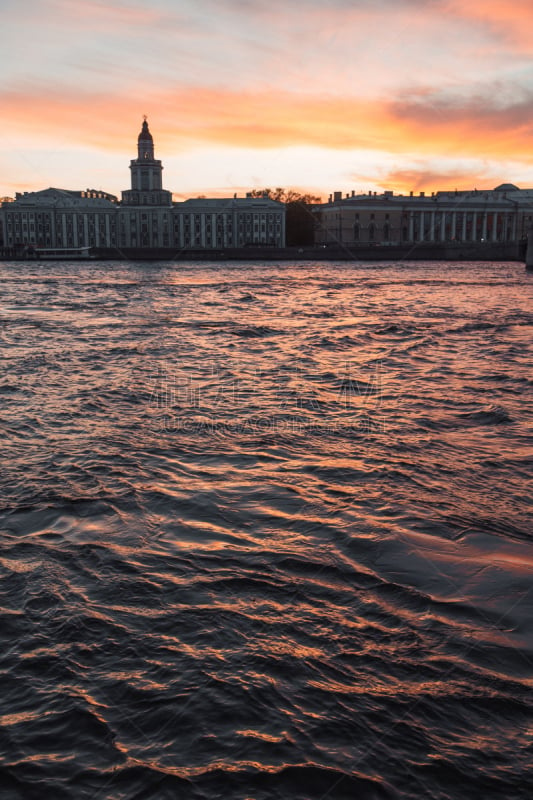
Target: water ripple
x=266, y=531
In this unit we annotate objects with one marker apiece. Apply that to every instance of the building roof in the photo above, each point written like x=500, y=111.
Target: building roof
x=506, y=187
x=231, y=202
x=145, y=134
x=506, y=195
x=65, y=197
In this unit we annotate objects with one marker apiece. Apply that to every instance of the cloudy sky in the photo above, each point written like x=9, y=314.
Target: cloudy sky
x=318, y=95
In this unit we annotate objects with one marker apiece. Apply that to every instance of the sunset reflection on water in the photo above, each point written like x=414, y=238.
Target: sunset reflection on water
x=266, y=530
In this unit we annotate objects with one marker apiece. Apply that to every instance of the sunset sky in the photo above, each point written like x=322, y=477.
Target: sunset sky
x=318, y=95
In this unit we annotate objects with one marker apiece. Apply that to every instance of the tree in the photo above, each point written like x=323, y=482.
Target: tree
x=300, y=221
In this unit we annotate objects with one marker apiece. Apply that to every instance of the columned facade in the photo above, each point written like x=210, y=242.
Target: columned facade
x=498, y=215
x=58, y=218
x=235, y=222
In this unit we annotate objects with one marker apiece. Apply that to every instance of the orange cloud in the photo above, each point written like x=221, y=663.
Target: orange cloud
x=508, y=20
x=423, y=123
x=428, y=180
x=189, y=116
x=492, y=123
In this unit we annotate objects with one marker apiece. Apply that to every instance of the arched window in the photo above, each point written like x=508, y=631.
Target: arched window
x=356, y=232
x=386, y=232
x=371, y=232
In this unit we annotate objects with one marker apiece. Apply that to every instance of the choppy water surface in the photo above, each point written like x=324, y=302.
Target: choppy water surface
x=266, y=531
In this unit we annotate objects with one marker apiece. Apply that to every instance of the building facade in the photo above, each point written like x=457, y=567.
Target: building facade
x=56, y=218
x=145, y=218
x=500, y=215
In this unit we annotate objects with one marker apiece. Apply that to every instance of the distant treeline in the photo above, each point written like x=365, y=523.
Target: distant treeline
x=299, y=219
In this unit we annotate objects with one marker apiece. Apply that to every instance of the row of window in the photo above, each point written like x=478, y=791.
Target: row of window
x=74, y=229
x=503, y=232
x=436, y=216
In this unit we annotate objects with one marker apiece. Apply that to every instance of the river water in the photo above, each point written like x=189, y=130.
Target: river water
x=266, y=531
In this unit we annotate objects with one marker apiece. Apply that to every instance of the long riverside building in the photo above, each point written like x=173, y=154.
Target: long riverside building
x=146, y=217
x=503, y=214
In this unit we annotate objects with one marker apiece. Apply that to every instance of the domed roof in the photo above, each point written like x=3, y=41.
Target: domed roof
x=145, y=134
x=506, y=187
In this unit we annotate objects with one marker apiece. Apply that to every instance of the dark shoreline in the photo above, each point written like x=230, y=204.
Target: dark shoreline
x=419, y=251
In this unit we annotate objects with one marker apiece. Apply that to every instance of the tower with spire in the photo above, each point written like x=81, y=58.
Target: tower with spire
x=146, y=175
